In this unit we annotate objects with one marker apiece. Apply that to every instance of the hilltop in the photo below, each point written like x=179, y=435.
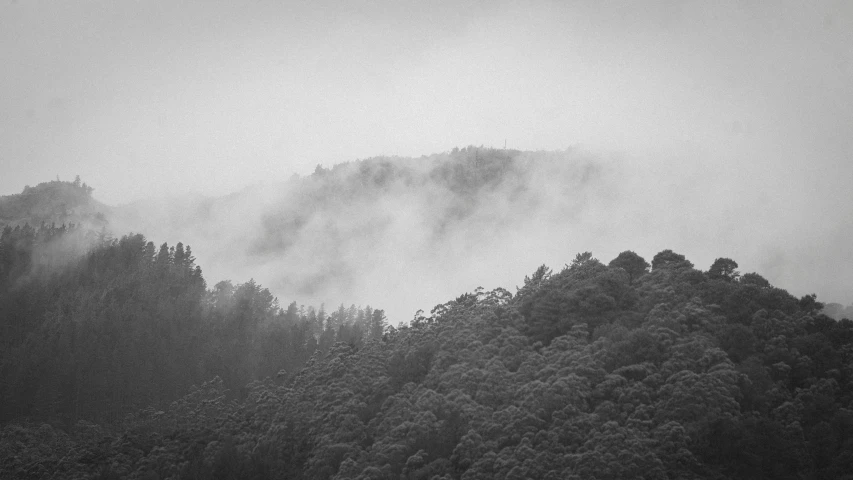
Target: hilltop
x=54, y=202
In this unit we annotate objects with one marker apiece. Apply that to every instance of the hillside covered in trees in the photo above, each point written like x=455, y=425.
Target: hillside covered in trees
x=127, y=325
x=52, y=202
x=124, y=363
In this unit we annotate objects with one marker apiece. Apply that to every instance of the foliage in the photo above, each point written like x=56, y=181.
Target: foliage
x=634, y=265
x=724, y=269
x=669, y=259
x=94, y=328
x=586, y=373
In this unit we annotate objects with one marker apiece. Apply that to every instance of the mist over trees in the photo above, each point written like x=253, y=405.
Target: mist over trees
x=119, y=360
x=350, y=231
x=407, y=233
x=838, y=311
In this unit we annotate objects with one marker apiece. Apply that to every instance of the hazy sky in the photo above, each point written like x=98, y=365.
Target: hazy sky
x=746, y=106
x=145, y=97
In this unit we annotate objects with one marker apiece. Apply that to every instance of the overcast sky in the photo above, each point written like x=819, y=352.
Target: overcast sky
x=748, y=104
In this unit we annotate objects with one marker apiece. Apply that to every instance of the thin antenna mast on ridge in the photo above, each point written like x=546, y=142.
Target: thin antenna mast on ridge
x=504, y=144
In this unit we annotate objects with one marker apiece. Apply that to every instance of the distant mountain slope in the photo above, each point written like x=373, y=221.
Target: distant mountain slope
x=838, y=311
x=53, y=202
x=362, y=230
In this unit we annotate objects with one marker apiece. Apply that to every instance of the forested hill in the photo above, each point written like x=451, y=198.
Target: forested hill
x=617, y=370
x=55, y=202
x=95, y=328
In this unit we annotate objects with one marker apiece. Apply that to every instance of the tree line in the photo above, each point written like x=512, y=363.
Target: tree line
x=94, y=328
x=618, y=370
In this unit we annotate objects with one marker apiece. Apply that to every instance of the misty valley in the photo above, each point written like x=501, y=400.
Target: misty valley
x=332, y=326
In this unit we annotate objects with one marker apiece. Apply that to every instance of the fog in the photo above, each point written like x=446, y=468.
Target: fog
x=409, y=233
x=717, y=129
x=396, y=233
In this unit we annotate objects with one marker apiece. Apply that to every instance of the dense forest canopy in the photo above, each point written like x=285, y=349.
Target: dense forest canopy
x=119, y=360
x=128, y=325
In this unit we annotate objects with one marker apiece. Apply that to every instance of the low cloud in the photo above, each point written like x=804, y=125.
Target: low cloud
x=409, y=233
